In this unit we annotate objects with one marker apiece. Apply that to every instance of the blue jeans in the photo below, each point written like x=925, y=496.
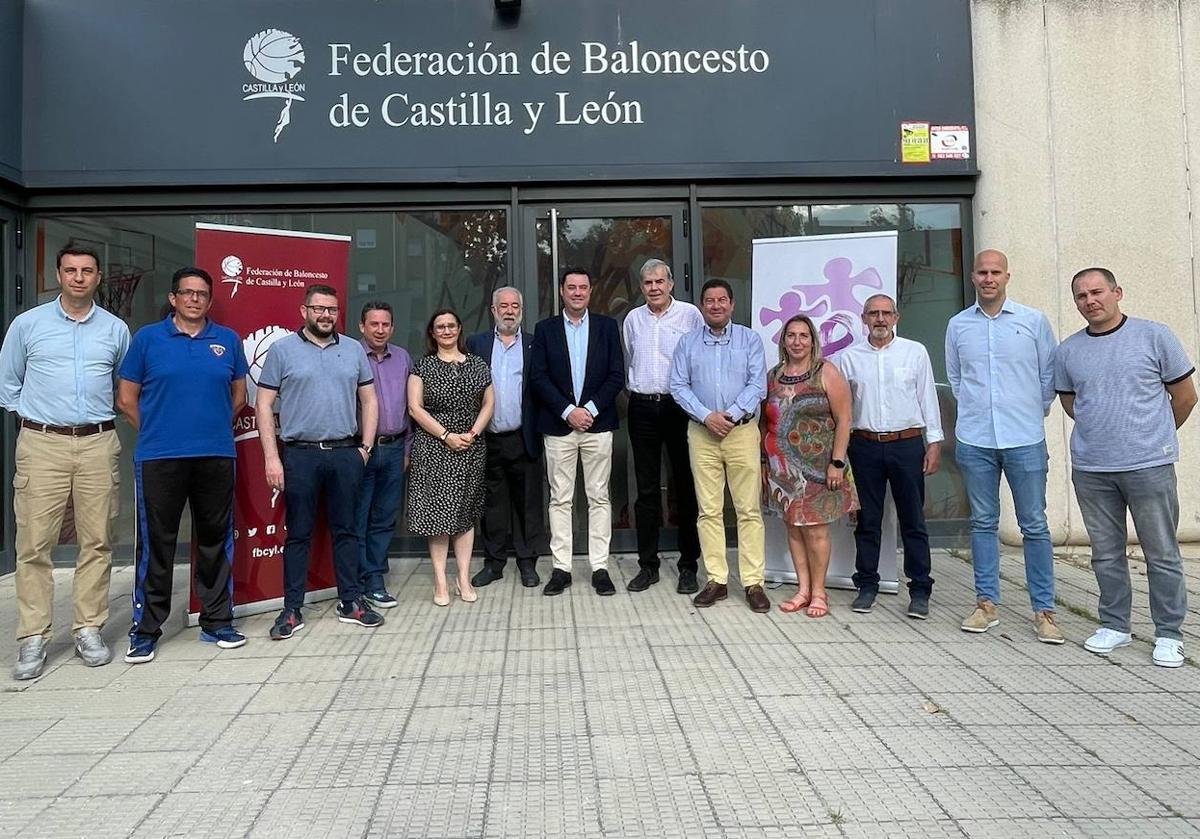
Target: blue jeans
x=378, y=508
x=1025, y=469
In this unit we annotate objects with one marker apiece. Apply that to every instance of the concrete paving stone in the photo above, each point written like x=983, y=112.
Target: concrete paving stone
x=1129, y=745
x=653, y=755
x=1166, y=828
x=903, y=830
x=442, y=762
x=293, y=727
x=404, y=665
x=752, y=630
x=397, y=694
x=854, y=679
x=931, y=747
x=840, y=655
x=829, y=630
x=633, y=685
x=544, y=638
x=458, y=722
x=280, y=697
x=983, y=791
x=1175, y=680
x=718, y=751
x=753, y=657
x=804, y=680
x=745, y=719
x=548, y=688
x=566, y=718
x=218, y=699
x=445, y=811
x=493, y=639
x=1072, y=709
x=945, y=678
x=600, y=660
x=1174, y=786
x=334, y=646
x=791, y=831
x=911, y=709
x=241, y=767
x=1112, y=678
x=15, y=813
x=1090, y=792
x=993, y=708
x=907, y=652
x=1186, y=737
x=357, y=764
x=696, y=685
x=987, y=649
x=42, y=775
x=481, y=663
x=541, y=612
x=848, y=747
x=78, y=735
x=708, y=658
x=1156, y=708
x=73, y=674
x=1021, y=828
x=553, y=662
x=240, y=671
x=336, y=813
x=342, y=728
x=1021, y=678
x=631, y=716
x=811, y=713
x=311, y=669
x=1033, y=745
x=553, y=808
x=542, y=760
x=202, y=815
x=697, y=634
x=144, y=772
x=17, y=734
x=406, y=642
x=672, y=807
x=459, y=690
x=99, y=703
x=869, y=795
x=100, y=817
x=163, y=733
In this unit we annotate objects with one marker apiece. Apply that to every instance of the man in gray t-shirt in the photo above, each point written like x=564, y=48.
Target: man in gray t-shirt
x=1127, y=383
x=319, y=378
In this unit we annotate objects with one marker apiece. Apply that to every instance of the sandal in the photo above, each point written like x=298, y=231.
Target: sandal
x=818, y=606
x=796, y=603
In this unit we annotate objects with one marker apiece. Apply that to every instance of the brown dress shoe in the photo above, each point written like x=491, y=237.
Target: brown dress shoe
x=757, y=598
x=711, y=594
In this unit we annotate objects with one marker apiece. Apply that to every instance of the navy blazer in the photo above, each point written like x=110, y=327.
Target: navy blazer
x=550, y=374
x=481, y=345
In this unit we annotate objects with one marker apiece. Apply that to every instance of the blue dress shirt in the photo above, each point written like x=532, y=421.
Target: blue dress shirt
x=60, y=371
x=508, y=378
x=1001, y=370
x=577, y=349
x=726, y=372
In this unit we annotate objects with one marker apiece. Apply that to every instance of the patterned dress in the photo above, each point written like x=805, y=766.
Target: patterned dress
x=445, y=487
x=799, y=445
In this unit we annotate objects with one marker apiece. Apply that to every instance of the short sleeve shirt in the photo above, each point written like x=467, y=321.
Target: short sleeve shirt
x=1123, y=418
x=318, y=386
x=186, y=405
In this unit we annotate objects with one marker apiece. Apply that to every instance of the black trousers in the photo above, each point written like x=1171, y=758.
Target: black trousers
x=512, y=515
x=898, y=464
x=653, y=426
x=205, y=484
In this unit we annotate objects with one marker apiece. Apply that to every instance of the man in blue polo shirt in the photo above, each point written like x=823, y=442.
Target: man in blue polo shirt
x=182, y=383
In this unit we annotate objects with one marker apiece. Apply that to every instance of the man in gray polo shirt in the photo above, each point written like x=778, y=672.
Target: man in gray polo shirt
x=320, y=378
x=1127, y=383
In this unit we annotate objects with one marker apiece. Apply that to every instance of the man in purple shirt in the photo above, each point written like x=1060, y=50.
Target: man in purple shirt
x=383, y=480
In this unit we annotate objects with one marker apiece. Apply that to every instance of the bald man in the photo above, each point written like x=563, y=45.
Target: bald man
x=1000, y=363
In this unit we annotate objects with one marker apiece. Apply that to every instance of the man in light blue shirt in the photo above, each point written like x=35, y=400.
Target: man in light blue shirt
x=719, y=377
x=1000, y=363
x=58, y=372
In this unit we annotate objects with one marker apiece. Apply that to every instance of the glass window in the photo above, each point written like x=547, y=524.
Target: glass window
x=929, y=280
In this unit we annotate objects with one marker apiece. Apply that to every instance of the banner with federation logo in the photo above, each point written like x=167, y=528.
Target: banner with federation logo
x=827, y=278
x=259, y=279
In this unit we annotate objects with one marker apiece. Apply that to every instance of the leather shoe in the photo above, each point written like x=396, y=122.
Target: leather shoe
x=757, y=598
x=644, y=579
x=603, y=583
x=529, y=574
x=711, y=594
x=488, y=574
x=864, y=602
x=687, y=582
x=560, y=581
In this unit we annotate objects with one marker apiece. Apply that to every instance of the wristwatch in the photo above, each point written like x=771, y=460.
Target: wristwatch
x=837, y=464
x=367, y=449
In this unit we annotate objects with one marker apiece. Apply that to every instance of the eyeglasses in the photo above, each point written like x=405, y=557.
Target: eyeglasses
x=322, y=310
x=445, y=327
x=878, y=313
x=197, y=293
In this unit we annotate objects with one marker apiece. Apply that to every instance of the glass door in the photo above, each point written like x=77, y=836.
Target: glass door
x=612, y=241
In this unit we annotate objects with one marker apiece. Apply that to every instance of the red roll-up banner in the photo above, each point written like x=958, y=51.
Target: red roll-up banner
x=259, y=278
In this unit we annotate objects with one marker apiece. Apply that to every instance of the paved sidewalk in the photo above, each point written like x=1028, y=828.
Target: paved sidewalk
x=630, y=716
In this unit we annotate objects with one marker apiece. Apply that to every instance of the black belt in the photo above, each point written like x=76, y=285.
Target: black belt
x=384, y=439
x=324, y=445
x=70, y=430
x=743, y=421
x=504, y=433
x=650, y=397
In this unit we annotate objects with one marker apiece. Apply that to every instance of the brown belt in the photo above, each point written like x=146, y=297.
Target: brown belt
x=70, y=430
x=888, y=436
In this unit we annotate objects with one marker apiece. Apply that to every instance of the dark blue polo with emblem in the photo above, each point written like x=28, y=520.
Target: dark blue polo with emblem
x=186, y=408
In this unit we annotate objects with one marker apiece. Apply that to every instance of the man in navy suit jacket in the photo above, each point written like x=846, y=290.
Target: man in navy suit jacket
x=512, y=514
x=576, y=371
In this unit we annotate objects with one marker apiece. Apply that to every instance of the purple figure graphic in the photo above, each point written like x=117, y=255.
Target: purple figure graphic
x=832, y=305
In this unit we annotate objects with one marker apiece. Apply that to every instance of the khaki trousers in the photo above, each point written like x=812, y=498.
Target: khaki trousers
x=50, y=469
x=733, y=461
x=562, y=456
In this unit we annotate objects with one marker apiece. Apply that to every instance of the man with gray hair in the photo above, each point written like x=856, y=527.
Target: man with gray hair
x=512, y=517
x=656, y=422
x=1127, y=383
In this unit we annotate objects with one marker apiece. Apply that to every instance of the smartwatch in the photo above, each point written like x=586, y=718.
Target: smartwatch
x=837, y=464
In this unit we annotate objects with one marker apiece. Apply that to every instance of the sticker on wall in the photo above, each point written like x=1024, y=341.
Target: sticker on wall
x=950, y=142
x=914, y=142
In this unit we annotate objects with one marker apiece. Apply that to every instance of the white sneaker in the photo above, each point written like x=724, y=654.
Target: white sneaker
x=1168, y=652
x=1105, y=640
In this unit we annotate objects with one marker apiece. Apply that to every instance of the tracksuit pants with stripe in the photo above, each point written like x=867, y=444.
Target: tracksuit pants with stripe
x=163, y=486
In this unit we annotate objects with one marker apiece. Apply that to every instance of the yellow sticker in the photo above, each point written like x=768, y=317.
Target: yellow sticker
x=914, y=142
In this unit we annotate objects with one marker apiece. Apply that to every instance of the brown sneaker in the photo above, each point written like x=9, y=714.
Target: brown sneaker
x=711, y=594
x=1047, y=629
x=983, y=618
x=757, y=598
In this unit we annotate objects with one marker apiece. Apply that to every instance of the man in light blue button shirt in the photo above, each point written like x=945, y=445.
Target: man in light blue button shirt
x=1000, y=362
x=58, y=372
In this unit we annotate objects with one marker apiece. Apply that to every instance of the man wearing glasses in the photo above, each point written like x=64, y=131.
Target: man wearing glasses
x=319, y=378
x=896, y=441
x=182, y=383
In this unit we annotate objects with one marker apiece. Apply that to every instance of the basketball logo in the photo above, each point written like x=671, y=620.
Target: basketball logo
x=274, y=58
x=231, y=267
x=256, y=346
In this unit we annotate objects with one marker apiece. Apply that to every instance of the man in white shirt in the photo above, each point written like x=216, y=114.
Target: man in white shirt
x=651, y=333
x=896, y=441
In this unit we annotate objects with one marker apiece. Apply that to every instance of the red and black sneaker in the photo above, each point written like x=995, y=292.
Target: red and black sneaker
x=359, y=612
x=287, y=624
